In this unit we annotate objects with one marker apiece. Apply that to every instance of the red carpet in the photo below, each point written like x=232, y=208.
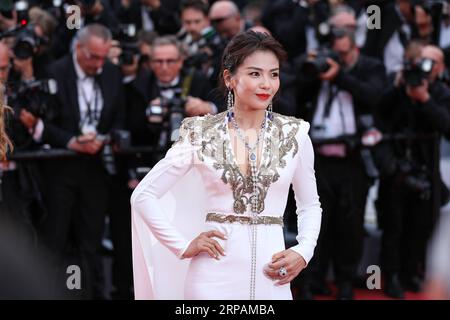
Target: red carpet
x=365, y=294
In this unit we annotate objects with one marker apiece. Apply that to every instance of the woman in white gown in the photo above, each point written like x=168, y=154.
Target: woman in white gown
x=245, y=159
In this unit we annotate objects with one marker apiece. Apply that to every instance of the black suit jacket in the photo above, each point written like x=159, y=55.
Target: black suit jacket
x=64, y=122
x=364, y=82
x=142, y=90
x=397, y=113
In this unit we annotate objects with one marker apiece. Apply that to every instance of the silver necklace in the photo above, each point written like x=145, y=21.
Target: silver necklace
x=252, y=158
x=254, y=197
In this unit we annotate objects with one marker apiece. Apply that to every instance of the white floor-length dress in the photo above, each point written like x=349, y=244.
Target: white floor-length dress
x=200, y=175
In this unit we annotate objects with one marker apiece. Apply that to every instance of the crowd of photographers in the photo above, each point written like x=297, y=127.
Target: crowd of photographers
x=97, y=105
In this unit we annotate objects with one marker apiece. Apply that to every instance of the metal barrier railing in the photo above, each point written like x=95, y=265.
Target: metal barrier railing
x=352, y=140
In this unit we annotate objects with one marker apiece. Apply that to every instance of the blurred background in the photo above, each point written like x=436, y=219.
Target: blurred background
x=98, y=90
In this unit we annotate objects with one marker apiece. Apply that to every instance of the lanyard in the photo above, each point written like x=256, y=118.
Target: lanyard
x=92, y=114
x=333, y=93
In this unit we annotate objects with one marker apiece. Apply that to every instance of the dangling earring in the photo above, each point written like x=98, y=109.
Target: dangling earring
x=230, y=104
x=269, y=110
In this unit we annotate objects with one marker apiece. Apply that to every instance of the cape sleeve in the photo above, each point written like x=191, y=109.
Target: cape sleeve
x=309, y=211
x=154, y=215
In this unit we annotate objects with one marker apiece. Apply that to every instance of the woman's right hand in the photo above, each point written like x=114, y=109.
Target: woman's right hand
x=205, y=243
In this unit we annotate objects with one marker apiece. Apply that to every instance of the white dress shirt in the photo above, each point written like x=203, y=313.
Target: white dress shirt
x=87, y=85
x=340, y=120
x=444, y=40
x=147, y=23
x=394, y=50
x=89, y=97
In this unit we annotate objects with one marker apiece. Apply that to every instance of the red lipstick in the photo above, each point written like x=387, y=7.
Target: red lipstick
x=263, y=96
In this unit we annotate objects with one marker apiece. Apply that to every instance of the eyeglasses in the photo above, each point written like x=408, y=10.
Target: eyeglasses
x=92, y=56
x=160, y=62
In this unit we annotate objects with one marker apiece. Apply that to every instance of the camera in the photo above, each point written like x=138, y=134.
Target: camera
x=27, y=42
x=415, y=178
x=415, y=72
x=121, y=139
x=210, y=46
x=169, y=114
x=129, y=50
x=313, y=67
x=32, y=95
x=126, y=35
x=126, y=32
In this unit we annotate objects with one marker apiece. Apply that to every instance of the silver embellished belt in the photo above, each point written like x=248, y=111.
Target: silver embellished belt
x=223, y=218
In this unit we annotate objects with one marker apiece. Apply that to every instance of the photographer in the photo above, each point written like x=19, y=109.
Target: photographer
x=338, y=88
x=31, y=47
x=416, y=104
x=88, y=107
x=204, y=45
x=18, y=180
x=132, y=53
x=156, y=100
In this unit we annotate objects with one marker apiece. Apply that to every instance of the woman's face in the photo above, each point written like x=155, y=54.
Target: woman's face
x=256, y=81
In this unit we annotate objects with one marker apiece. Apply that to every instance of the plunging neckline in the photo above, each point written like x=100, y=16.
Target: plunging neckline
x=259, y=155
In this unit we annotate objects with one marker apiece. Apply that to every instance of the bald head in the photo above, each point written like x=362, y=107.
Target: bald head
x=434, y=53
x=226, y=18
x=4, y=62
x=223, y=8
x=343, y=19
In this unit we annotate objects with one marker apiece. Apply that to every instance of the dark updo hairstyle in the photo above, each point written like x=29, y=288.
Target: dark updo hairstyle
x=243, y=45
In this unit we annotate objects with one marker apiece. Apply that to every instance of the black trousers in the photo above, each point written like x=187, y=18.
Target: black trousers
x=120, y=223
x=342, y=186
x=77, y=203
x=405, y=220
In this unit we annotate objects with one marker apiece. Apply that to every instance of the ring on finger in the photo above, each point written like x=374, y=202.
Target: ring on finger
x=282, y=272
